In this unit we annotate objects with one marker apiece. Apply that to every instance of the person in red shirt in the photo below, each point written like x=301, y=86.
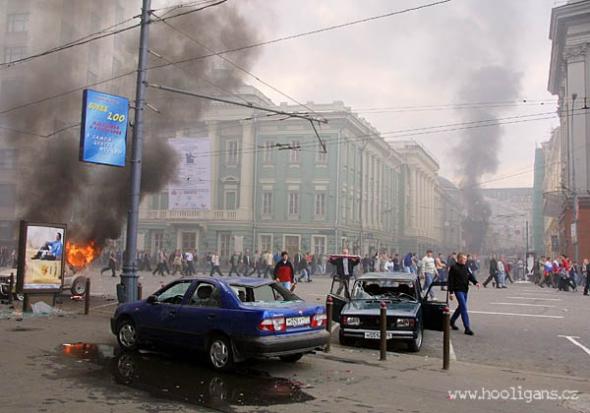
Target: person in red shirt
x=284, y=272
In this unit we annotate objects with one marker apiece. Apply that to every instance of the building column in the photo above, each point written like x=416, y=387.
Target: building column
x=215, y=154
x=247, y=169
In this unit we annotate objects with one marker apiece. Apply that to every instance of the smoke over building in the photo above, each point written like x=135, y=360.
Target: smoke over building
x=53, y=186
x=479, y=147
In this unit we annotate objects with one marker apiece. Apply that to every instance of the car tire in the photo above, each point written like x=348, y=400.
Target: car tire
x=127, y=334
x=220, y=353
x=416, y=344
x=78, y=286
x=292, y=358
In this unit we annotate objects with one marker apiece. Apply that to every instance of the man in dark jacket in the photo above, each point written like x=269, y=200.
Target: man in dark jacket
x=459, y=278
x=344, y=269
x=493, y=271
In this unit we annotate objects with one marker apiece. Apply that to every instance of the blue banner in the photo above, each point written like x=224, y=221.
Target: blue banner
x=103, y=138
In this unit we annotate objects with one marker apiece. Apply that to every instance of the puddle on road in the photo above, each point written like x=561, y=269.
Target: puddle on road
x=183, y=380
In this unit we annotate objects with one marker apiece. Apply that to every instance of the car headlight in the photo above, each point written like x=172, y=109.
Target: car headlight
x=351, y=321
x=404, y=323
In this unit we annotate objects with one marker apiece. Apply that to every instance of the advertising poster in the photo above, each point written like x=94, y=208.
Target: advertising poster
x=192, y=187
x=103, y=137
x=41, y=257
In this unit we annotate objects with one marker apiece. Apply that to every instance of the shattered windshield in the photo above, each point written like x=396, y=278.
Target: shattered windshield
x=378, y=288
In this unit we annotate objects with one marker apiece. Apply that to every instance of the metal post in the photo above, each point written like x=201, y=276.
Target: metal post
x=129, y=275
x=383, y=336
x=139, y=291
x=26, y=300
x=10, y=288
x=446, y=338
x=329, y=313
x=574, y=188
x=87, y=297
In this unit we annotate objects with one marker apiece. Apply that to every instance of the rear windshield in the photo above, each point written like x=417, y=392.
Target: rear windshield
x=268, y=294
x=379, y=288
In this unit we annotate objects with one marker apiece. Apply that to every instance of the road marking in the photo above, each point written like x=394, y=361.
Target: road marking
x=577, y=343
x=535, y=298
x=526, y=305
x=516, y=314
x=452, y=351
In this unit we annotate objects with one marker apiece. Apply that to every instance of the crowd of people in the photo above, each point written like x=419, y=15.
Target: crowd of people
x=562, y=273
x=7, y=257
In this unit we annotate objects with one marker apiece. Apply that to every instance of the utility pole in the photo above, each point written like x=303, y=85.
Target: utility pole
x=129, y=276
x=362, y=188
x=575, y=197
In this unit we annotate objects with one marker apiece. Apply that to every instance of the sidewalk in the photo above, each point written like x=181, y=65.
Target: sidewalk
x=344, y=380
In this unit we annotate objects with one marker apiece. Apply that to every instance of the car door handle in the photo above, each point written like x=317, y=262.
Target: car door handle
x=172, y=313
x=211, y=316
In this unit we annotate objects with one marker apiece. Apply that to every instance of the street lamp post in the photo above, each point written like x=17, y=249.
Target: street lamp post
x=127, y=291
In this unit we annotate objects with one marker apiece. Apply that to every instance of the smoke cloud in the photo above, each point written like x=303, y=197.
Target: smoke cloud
x=478, y=151
x=93, y=199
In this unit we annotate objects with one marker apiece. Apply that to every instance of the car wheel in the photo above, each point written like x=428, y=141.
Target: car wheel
x=220, y=353
x=127, y=335
x=416, y=344
x=292, y=358
x=78, y=286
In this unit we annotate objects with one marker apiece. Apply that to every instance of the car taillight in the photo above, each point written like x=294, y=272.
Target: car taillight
x=319, y=320
x=273, y=324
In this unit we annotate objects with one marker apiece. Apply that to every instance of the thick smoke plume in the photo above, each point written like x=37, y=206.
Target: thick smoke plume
x=93, y=199
x=479, y=147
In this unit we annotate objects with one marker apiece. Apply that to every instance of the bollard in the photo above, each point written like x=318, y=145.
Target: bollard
x=139, y=291
x=383, y=335
x=329, y=314
x=87, y=297
x=26, y=303
x=10, y=288
x=446, y=338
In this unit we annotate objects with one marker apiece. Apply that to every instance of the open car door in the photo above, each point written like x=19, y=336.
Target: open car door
x=432, y=310
x=338, y=300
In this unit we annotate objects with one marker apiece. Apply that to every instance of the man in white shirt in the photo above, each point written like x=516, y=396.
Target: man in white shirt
x=429, y=270
x=190, y=268
x=215, y=265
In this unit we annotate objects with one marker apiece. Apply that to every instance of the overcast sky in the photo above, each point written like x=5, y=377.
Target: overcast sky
x=422, y=58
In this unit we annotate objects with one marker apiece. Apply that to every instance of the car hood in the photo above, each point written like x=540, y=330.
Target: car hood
x=373, y=307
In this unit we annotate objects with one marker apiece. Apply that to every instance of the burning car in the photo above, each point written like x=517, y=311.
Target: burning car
x=78, y=258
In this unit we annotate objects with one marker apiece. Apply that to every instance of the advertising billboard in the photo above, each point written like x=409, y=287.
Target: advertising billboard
x=192, y=186
x=41, y=257
x=103, y=137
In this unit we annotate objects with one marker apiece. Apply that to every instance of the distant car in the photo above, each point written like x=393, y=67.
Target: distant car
x=408, y=310
x=231, y=319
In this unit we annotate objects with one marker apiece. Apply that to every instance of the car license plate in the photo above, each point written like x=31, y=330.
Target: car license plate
x=297, y=321
x=376, y=335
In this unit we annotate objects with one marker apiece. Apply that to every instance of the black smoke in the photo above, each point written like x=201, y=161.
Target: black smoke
x=479, y=146
x=93, y=199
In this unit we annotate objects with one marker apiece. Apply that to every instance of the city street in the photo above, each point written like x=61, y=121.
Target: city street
x=343, y=380
x=523, y=326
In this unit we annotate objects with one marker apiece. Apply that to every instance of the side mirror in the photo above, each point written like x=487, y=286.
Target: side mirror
x=152, y=299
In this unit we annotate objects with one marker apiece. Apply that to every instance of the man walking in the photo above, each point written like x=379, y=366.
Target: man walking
x=493, y=272
x=284, y=272
x=112, y=264
x=459, y=278
x=344, y=269
x=233, y=262
x=215, y=265
x=429, y=271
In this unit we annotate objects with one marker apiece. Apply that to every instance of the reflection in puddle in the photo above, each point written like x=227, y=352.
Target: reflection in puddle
x=187, y=381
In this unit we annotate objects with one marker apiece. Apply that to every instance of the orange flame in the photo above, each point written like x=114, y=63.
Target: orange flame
x=80, y=256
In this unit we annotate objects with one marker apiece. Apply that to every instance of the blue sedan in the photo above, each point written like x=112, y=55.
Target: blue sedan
x=231, y=319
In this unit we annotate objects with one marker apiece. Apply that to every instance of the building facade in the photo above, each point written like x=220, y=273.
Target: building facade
x=273, y=188
x=568, y=80
x=420, y=209
x=450, y=205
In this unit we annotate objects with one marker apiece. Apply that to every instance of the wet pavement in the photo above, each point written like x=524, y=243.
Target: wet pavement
x=180, y=379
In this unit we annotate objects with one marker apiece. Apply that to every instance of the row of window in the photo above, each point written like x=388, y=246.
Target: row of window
x=17, y=22
x=294, y=204
x=232, y=152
